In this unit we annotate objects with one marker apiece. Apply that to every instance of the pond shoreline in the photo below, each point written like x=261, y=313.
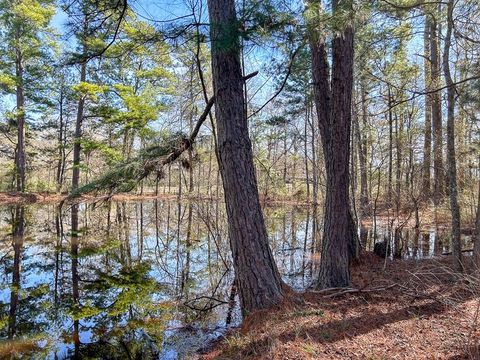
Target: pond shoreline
x=410, y=308
x=384, y=215
x=12, y=198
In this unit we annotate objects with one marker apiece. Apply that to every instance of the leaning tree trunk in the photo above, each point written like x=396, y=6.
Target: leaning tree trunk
x=333, y=104
x=257, y=277
x=452, y=165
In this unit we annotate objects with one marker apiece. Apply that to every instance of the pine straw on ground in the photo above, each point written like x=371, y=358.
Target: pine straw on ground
x=418, y=311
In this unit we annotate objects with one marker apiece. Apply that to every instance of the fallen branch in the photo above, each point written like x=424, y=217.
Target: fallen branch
x=187, y=143
x=211, y=303
x=124, y=176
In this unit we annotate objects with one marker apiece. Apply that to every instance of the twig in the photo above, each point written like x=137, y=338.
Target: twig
x=284, y=82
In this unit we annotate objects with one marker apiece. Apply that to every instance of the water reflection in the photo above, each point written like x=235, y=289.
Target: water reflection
x=152, y=279
x=408, y=243
x=18, y=225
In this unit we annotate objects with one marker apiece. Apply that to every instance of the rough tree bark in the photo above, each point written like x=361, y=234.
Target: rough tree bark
x=451, y=158
x=257, y=277
x=333, y=102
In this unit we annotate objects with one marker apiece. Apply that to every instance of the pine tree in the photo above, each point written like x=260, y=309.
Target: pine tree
x=26, y=43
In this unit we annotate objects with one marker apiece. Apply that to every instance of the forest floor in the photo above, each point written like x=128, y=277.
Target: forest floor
x=409, y=310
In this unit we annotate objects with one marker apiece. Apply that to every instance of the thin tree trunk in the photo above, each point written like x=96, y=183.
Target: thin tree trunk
x=362, y=155
x=20, y=97
x=257, y=277
x=427, y=142
x=476, y=240
x=77, y=148
x=399, y=120
x=61, y=148
x=315, y=164
x=451, y=158
x=305, y=135
x=293, y=176
x=438, y=171
x=390, y=148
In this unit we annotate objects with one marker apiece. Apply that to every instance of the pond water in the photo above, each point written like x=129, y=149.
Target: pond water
x=142, y=280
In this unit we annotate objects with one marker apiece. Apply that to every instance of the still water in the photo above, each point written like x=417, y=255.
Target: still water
x=141, y=280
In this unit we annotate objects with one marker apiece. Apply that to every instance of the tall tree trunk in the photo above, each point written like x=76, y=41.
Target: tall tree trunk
x=333, y=104
x=451, y=158
x=411, y=159
x=20, y=97
x=77, y=147
x=390, y=148
x=305, y=151
x=438, y=171
x=61, y=147
x=362, y=154
x=315, y=162
x=427, y=142
x=399, y=121
x=257, y=277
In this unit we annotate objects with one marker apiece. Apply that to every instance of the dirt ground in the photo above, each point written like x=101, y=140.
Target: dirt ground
x=410, y=310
